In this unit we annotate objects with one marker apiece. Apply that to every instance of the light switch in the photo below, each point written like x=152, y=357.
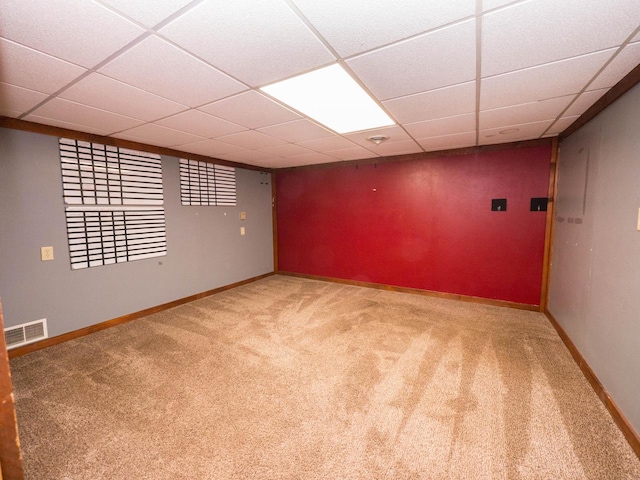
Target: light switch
x=242, y=231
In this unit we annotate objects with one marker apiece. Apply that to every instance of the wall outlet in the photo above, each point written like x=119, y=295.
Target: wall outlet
x=242, y=232
x=46, y=253
x=639, y=219
x=243, y=215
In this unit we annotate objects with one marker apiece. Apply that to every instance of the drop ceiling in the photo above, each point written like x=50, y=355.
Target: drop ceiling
x=186, y=74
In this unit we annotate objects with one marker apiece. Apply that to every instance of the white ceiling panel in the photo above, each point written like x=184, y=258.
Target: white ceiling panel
x=396, y=148
x=200, y=123
x=286, y=150
x=159, y=67
x=623, y=63
x=157, y=135
x=297, y=131
x=541, y=31
x=443, y=126
x=326, y=144
x=79, y=31
x=354, y=153
x=147, y=13
x=71, y=112
x=211, y=148
x=70, y=125
x=561, y=124
x=251, y=109
x=440, y=103
x=355, y=26
x=27, y=68
x=102, y=92
x=513, y=133
x=525, y=113
x=186, y=73
x=19, y=100
x=491, y=4
x=251, y=156
x=584, y=101
x=263, y=41
x=395, y=134
x=442, y=58
x=444, y=142
x=251, y=139
x=556, y=79
x=311, y=159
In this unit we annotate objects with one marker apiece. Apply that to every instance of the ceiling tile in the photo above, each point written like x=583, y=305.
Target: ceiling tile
x=251, y=139
x=354, y=153
x=18, y=100
x=359, y=25
x=251, y=109
x=254, y=157
x=108, y=94
x=285, y=150
x=443, y=126
x=311, y=159
x=27, y=68
x=148, y=13
x=438, y=59
x=584, y=101
x=210, y=148
x=157, y=135
x=514, y=133
x=67, y=29
x=297, y=131
x=525, y=113
x=63, y=124
x=396, y=148
x=269, y=42
x=444, y=142
x=183, y=79
x=71, y=112
x=200, y=123
x=395, y=134
x=529, y=33
x=326, y=144
x=561, y=125
x=623, y=63
x=491, y=4
x=440, y=103
x=532, y=84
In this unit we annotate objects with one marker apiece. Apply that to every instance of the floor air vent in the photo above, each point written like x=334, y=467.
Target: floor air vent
x=25, y=333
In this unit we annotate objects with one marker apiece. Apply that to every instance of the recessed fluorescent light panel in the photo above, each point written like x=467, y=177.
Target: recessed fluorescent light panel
x=330, y=96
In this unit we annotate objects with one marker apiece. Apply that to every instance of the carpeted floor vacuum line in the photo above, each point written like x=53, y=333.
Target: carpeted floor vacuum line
x=287, y=378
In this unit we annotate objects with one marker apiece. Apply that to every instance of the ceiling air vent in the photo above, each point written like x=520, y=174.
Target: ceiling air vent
x=25, y=333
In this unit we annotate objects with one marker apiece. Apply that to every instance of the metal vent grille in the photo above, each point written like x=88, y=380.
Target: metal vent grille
x=25, y=333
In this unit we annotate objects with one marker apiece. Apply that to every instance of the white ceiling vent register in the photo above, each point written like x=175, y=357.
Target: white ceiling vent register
x=25, y=333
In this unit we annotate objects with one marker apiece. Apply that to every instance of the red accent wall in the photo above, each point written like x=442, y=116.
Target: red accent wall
x=423, y=224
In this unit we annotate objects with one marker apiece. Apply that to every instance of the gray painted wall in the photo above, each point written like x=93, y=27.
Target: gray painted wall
x=205, y=248
x=595, y=273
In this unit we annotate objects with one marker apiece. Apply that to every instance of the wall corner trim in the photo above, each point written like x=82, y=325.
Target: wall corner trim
x=17, y=352
x=618, y=417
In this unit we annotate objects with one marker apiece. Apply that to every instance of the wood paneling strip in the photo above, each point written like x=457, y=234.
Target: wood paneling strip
x=10, y=454
x=16, y=124
x=548, y=238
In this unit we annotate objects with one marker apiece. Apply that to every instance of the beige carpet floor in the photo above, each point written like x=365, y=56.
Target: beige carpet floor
x=287, y=378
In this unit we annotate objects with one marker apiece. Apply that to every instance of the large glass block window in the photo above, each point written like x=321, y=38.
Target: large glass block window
x=114, y=203
x=203, y=183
